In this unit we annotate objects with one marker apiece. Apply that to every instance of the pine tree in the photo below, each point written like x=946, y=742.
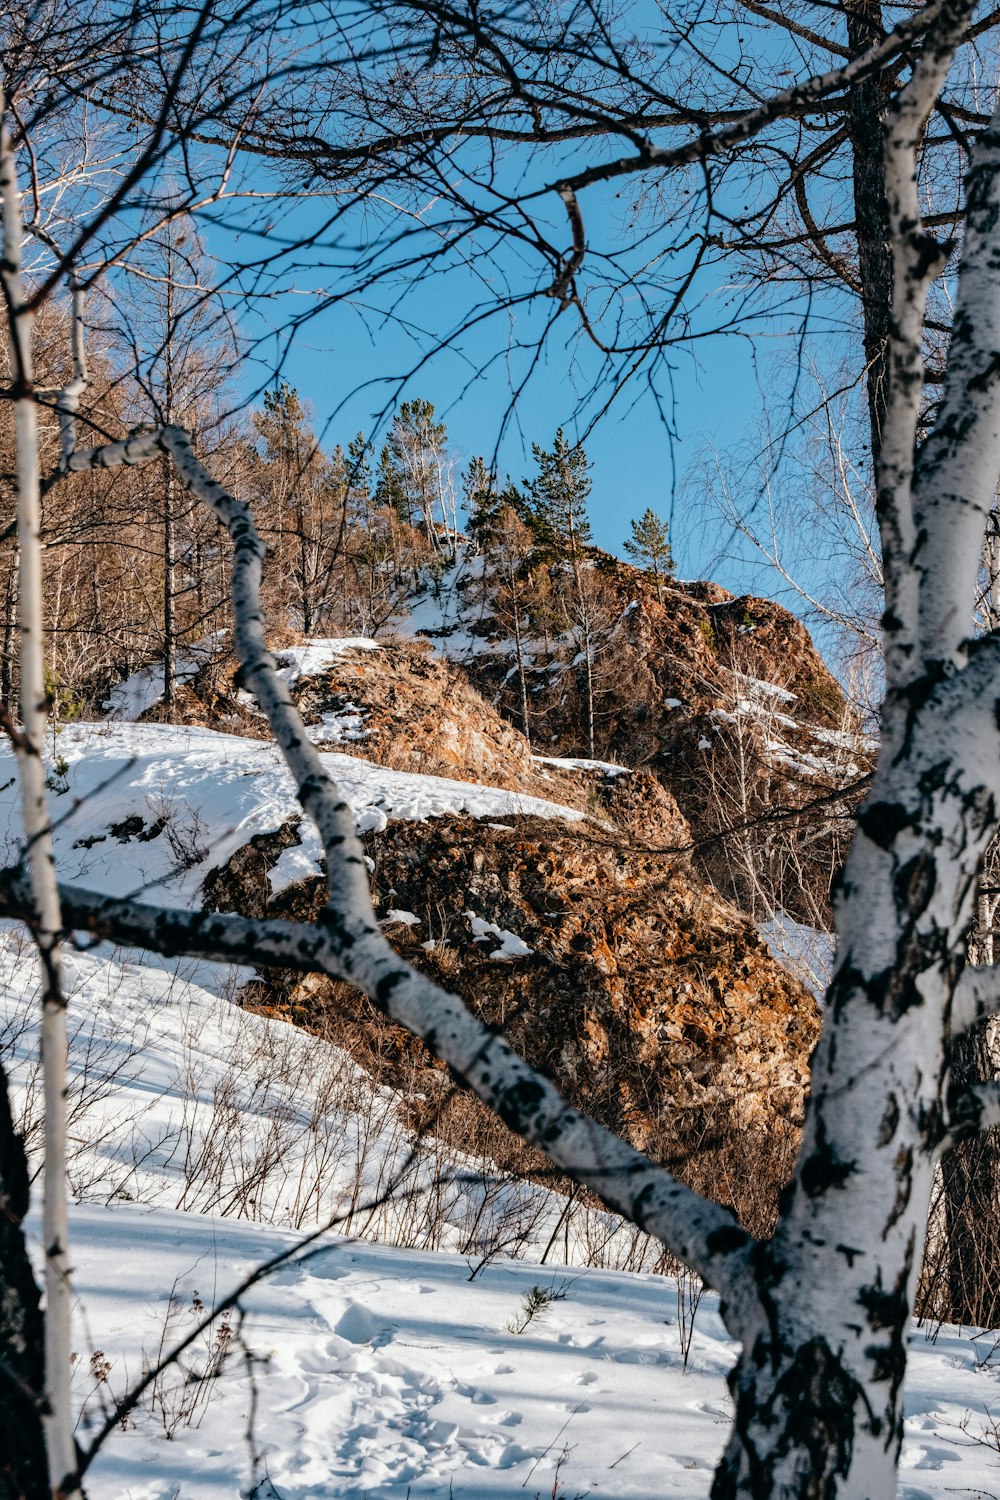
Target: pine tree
x=649, y=547
x=359, y=469
x=482, y=501
x=558, y=495
x=390, y=491
x=559, y=520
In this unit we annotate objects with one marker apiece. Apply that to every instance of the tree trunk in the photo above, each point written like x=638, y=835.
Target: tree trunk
x=24, y=1473
x=869, y=103
x=46, y=916
x=521, y=679
x=169, y=573
x=971, y=1183
x=8, y=664
x=818, y=1389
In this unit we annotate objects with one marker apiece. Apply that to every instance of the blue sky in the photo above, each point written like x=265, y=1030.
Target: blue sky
x=643, y=452
x=646, y=451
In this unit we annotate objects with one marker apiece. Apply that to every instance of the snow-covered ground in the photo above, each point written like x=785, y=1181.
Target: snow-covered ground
x=358, y=1369
x=138, y=693
x=144, y=688
x=808, y=952
x=369, y=1371
x=154, y=807
x=387, y=1373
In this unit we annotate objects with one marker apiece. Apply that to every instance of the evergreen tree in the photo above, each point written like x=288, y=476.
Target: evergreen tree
x=482, y=502
x=359, y=469
x=558, y=494
x=390, y=491
x=649, y=547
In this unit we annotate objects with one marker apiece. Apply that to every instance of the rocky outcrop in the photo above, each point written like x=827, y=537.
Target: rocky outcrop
x=652, y=1002
x=726, y=701
x=600, y=948
x=418, y=713
x=644, y=994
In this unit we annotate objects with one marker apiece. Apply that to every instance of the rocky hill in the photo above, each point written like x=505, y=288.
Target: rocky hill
x=619, y=952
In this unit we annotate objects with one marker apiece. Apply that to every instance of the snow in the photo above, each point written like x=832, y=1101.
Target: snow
x=511, y=946
x=757, y=687
x=847, y=739
x=358, y=1369
x=139, y=692
x=381, y=1373
x=196, y=796
x=144, y=688
x=759, y=705
x=576, y=763
x=317, y=654
x=339, y=728
x=808, y=952
x=406, y=917
x=808, y=765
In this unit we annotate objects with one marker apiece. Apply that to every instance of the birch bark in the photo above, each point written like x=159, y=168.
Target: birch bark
x=45, y=917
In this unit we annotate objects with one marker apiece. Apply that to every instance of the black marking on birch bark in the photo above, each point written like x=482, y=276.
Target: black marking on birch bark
x=846, y=985
x=883, y=822
x=928, y=254
x=903, y=1169
x=965, y=1113
x=914, y=884
x=810, y=1408
x=519, y=1104
x=889, y=1309
x=890, y=1121
x=387, y=985
x=892, y=990
x=823, y=1170
x=727, y=1240
x=937, y=777
x=979, y=803
x=333, y=923
x=931, y=1124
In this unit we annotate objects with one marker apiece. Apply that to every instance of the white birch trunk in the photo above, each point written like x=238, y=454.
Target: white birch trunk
x=46, y=919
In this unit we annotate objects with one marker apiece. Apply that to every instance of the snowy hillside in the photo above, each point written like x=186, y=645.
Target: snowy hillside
x=139, y=807
x=358, y=1369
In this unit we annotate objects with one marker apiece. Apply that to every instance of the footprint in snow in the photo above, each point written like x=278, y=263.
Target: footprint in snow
x=476, y=1396
x=935, y=1458
x=504, y=1419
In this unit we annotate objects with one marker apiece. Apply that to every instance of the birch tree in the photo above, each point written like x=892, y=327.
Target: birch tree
x=820, y=1311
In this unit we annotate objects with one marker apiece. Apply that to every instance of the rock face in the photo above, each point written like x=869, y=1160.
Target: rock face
x=726, y=701
x=418, y=713
x=652, y=1002
x=644, y=994
x=606, y=950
